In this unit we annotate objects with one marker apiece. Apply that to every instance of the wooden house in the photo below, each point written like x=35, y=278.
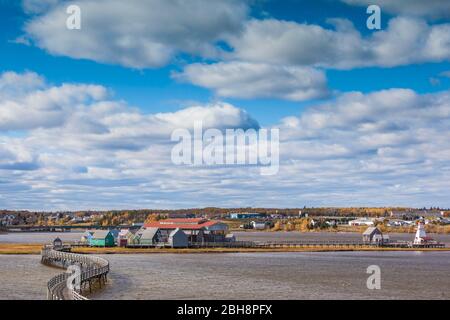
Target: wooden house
x=102, y=238
x=87, y=236
x=373, y=235
x=147, y=236
x=178, y=239
x=125, y=237
x=196, y=229
x=57, y=243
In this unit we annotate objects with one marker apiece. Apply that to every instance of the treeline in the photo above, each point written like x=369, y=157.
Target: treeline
x=116, y=217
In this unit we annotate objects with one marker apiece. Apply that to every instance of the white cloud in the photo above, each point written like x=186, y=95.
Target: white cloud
x=257, y=80
x=161, y=30
x=38, y=6
x=13, y=84
x=429, y=8
x=405, y=41
x=362, y=126
x=388, y=147
x=219, y=115
x=136, y=33
x=25, y=103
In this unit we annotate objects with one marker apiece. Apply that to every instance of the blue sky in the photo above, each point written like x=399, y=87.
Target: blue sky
x=286, y=77
x=153, y=90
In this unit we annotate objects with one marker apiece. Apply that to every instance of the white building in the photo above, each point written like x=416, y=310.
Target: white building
x=421, y=236
x=258, y=225
x=361, y=222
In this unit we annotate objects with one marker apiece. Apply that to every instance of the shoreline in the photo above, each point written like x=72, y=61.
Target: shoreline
x=30, y=249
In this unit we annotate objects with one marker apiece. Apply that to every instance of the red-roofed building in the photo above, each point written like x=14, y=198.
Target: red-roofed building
x=197, y=229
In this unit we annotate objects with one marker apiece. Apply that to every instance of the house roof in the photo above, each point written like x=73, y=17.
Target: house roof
x=177, y=230
x=184, y=220
x=370, y=230
x=189, y=224
x=126, y=232
x=149, y=233
x=100, y=234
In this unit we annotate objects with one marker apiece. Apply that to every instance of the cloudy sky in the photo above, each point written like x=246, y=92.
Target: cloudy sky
x=86, y=115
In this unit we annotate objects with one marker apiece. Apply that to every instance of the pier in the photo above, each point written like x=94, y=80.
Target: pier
x=292, y=244
x=94, y=270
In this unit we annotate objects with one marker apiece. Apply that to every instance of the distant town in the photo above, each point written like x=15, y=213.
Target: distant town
x=436, y=220
x=213, y=230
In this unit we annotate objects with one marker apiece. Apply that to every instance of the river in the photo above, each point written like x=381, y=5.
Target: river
x=294, y=275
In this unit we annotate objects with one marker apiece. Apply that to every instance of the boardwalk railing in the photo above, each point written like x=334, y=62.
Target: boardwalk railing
x=91, y=267
x=274, y=244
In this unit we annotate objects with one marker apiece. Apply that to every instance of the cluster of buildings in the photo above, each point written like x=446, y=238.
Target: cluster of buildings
x=7, y=220
x=176, y=233
x=397, y=222
x=254, y=220
x=71, y=218
x=362, y=222
x=373, y=235
x=246, y=215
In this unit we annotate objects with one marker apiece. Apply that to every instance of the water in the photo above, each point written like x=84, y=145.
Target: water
x=23, y=277
x=327, y=275
x=294, y=275
x=39, y=237
x=338, y=275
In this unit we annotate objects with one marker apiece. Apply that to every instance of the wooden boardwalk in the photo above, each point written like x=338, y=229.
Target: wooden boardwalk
x=292, y=244
x=93, y=270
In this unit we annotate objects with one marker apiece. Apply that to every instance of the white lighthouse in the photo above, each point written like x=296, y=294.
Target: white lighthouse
x=421, y=235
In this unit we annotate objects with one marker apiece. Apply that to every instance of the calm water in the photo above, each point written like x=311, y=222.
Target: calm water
x=23, y=277
x=339, y=275
x=327, y=275
x=38, y=237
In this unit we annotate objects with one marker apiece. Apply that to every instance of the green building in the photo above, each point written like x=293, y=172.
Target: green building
x=147, y=237
x=102, y=238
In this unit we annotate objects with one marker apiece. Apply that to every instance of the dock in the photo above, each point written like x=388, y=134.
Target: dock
x=94, y=270
x=294, y=244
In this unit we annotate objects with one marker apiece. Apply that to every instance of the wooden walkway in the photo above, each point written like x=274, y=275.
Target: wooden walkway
x=93, y=270
x=279, y=244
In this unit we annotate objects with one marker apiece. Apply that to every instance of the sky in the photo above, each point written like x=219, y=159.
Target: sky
x=86, y=116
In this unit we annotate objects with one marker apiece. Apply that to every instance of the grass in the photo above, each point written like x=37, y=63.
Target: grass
x=36, y=249
x=19, y=248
